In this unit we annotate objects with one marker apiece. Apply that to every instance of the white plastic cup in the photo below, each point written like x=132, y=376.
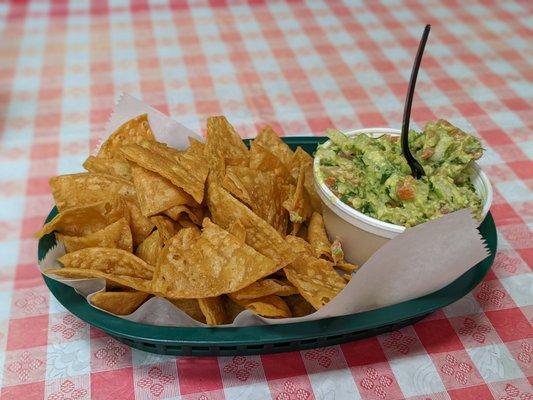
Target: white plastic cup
x=361, y=235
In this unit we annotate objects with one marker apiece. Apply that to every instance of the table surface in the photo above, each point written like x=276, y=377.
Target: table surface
x=301, y=67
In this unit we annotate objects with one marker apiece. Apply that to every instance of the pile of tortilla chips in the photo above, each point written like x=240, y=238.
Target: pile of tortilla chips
x=215, y=229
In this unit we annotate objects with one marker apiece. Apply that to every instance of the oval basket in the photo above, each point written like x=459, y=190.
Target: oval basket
x=273, y=338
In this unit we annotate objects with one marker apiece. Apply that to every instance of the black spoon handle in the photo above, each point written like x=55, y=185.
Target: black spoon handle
x=416, y=169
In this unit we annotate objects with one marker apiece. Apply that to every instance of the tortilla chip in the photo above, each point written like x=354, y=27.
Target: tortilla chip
x=142, y=285
x=191, y=307
x=196, y=215
x=238, y=230
x=225, y=209
x=269, y=306
x=157, y=194
x=298, y=204
x=85, y=188
x=299, y=245
x=141, y=226
x=194, y=161
x=262, y=288
x=232, y=309
x=269, y=139
x=316, y=279
x=336, y=252
x=302, y=159
x=317, y=236
x=109, y=261
x=133, y=131
x=197, y=147
x=347, y=267
x=262, y=159
x=223, y=146
x=299, y=306
x=84, y=220
x=213, y=310
x=109, y=166
x=165, y=226
x=299, y=157
x=302, y=231
x=212, y=264
x=119, y=303
x=186, y=222
x=187, y=170
x=233, y=184
x=266, y=194
x=150, y=248
x=116, y=235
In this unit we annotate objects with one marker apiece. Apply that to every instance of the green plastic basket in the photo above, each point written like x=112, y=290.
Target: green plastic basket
x=274, y=338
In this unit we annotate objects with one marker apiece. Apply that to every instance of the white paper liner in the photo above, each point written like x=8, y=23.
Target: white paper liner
x=419, y=261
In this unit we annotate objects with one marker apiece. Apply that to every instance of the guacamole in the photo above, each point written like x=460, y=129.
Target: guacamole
x=372, y=176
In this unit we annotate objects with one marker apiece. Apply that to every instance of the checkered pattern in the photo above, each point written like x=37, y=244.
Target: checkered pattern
x=301, y=67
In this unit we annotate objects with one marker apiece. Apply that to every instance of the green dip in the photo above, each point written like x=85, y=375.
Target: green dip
x=372, y=176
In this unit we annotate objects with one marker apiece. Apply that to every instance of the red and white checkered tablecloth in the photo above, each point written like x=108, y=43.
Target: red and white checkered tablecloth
x=301, y=67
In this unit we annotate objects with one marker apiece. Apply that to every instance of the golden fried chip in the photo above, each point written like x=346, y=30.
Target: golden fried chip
x=262, y=288
x=302, y=231
x=302, y=159
x=212, y=264
x=197, y=147
x=186, y=222
x=185, y=239
x=271, y=141
x=232, y=309
x=110, y=166
x=142, y=285
x=299, y=157
x=189, y=307
x=299, y=245
x=213, y=310
x=119, y=303
x=141, y=226
x=84, y=220
x=196, y=215
x=317, y=236
x=269, y=306
x=193, y=161
x=347, y=267
x=262, y=159
x=266, y=194
x=135, y=130
x=225, y=209
x=316, y=279
x=223, y=147
x=116, y=235
x=233, y=184
x=298, y=204
x=165, y=226
x=299, y=306
x=150, y=248
x=109, y=261
x=336, y=252
x=238, y=230
x=337, y=255
x=86, y=188
x=157, y=194
x=187, y=170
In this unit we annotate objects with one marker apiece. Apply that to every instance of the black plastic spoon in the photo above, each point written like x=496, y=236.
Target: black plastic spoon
x=416, y=169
